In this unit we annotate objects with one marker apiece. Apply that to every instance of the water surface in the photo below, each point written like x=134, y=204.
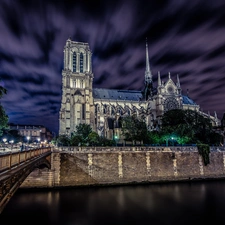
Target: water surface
x=196, y=202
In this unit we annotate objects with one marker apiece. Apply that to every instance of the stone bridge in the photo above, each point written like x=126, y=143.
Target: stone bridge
x=16, y=166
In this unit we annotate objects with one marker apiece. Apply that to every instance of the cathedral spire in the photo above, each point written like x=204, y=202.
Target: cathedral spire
x=148, y=75
x=215, y=115
x=178, y=81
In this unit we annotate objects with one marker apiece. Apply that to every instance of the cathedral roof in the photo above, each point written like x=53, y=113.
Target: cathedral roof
x=114, y=94
x=187, y=100
x=130, y=95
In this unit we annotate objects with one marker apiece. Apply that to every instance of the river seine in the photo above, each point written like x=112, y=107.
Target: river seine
x=197, y=202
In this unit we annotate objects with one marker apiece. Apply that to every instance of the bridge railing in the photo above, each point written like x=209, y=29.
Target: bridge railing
x=13, y=159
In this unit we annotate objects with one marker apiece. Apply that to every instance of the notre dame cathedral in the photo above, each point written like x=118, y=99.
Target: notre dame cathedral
x=104, y=108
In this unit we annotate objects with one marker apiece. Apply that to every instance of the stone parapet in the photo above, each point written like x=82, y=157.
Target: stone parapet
x=131, y=149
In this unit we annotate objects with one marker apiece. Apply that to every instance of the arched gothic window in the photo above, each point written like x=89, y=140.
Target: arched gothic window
x=81, y=62
x=96, y=108
x=105, y=109
x=126, y=109
x=112, y=110
x=119, y=110
x=74, y=62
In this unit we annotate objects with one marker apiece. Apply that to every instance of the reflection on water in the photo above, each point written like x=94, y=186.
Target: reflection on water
x=172, y=203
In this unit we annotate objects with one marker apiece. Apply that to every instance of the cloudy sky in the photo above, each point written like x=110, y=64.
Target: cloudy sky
x=184, y=37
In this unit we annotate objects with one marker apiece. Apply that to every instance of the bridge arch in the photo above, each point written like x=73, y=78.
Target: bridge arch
x=12, y=178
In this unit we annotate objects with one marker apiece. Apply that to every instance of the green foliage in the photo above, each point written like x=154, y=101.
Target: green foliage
x=106, y=142
x=76, y=140
x=80, y=136
x=93, y=138
x=63, y=140
x=189, y=127
x=54, y=140
x=83, y=130
x=204, y=151
x=153, y=137
x=83, y=136
x=134, y=128
x=3, y=117
x=215, y=138
x=3, y=91
x=3, y=120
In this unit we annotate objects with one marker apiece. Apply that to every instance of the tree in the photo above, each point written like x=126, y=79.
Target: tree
x=83, y=129
x=82, y=132
x=188, y=126
x=3, y=91
x=63, y=140
x=3, y=117
x=93, y=138
x=154, y=137
x=76, y=140
x=3, y=120
x=103, y=141
x=134, y=129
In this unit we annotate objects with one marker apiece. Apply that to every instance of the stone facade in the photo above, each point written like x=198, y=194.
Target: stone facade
x=104, y=108
x=73, y=167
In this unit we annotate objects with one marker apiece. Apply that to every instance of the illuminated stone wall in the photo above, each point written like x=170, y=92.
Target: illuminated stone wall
x=100, y=166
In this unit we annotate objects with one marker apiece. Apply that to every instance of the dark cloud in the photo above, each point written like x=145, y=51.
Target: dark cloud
x=184, y=37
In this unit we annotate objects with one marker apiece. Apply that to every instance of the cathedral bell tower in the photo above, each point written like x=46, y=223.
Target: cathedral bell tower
x=77, y=80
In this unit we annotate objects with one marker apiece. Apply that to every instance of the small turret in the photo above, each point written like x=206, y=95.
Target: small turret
x=178, y=81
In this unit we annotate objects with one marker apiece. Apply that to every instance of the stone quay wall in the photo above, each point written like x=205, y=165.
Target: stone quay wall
x=85, y=166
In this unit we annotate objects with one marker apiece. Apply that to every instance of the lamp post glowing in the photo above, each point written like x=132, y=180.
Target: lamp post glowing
x=28, y=138
x=38, y=139
x=4, y=140
x=116, y=139
x=12, y=141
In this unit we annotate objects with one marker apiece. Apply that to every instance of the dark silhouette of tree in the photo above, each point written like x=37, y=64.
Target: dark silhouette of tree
x=3, y=117
x=189, y=127
x=134, y=129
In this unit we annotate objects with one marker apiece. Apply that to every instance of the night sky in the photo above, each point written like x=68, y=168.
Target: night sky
x=184, y=37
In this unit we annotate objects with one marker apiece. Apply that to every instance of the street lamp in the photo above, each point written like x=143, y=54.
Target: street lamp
x=4, y=140
x=28, y=138
x=172, y=140
x=38, y=139
x=12, y=141
x=116, y=139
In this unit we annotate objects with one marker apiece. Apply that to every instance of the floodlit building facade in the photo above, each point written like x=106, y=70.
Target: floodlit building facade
x=104, y=108
x=37, y=133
